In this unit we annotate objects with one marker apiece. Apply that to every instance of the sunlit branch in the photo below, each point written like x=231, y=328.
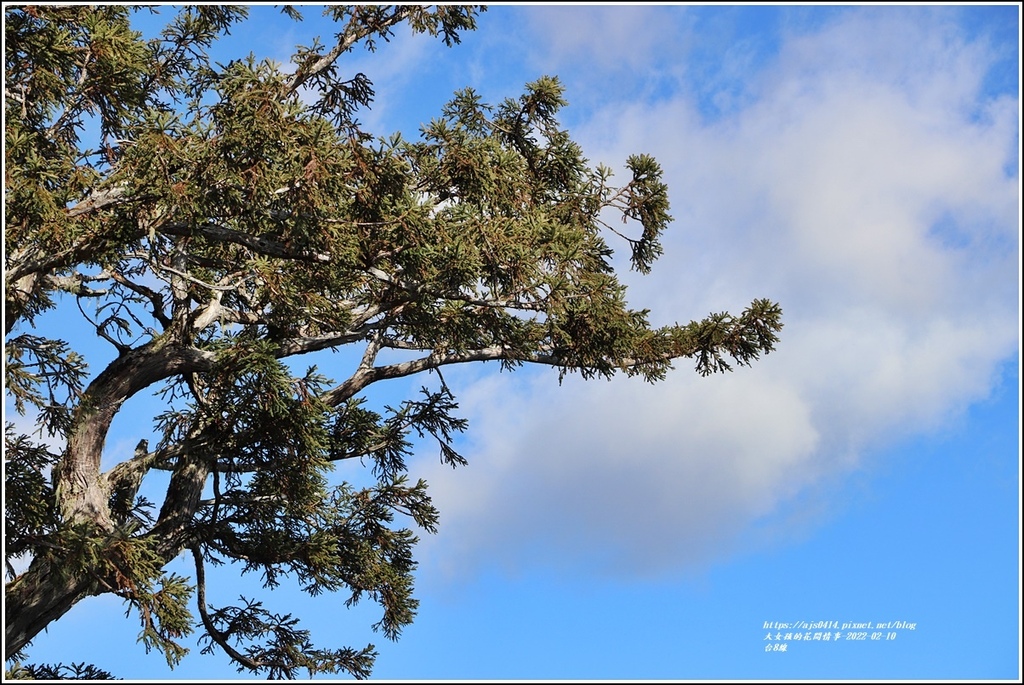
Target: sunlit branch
x=75, y=285
x=99, y=199
x=357, y=29
x=364, y=377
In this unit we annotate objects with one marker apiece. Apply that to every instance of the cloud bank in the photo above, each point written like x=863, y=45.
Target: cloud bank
x=866, y=180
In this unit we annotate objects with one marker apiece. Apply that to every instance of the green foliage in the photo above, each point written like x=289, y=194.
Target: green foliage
x=221, y=225
x=79, y=671
x=130, y=568
x=287, y=649
x=29, y=514
x=36, y=365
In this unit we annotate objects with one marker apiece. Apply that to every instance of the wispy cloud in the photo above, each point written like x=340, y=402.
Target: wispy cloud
x=863, y=185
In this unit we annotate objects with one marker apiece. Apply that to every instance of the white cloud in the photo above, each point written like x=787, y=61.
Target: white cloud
x=864, y=187
x=605, y=37
x=624, y=475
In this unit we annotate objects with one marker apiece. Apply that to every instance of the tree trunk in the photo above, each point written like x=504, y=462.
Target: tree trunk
x=82, y=495
x=47, y=590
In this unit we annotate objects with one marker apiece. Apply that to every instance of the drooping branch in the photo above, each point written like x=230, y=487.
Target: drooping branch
x=253, y=621
x=204, y=615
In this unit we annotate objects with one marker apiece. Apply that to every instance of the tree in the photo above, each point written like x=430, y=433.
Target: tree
x=224, y=221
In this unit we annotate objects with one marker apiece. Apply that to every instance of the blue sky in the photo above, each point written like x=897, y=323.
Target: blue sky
x=857, y=164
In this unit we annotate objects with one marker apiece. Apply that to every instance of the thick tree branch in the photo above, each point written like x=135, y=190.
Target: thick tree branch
x=123, y=481
x=38, y=597
x=80, y=495
x=76, y=284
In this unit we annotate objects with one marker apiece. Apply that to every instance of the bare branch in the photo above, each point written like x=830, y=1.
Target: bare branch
x=215, y=311
x=305, y=344
x=80, y=497
x=364, y=377
x=222, y=286
x=154, y=297
x=358, y=28
x=367, y=376
x=75, y=285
